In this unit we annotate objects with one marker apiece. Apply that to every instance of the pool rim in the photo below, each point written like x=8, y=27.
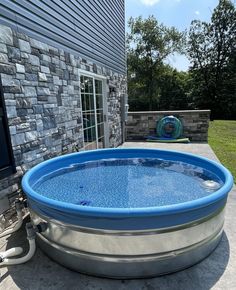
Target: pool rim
x=121, y=212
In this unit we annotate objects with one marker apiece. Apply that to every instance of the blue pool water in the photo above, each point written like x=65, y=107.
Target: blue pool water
x=128, y=183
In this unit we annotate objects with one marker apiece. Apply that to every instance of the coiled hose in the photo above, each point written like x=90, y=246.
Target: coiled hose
x=169, y=127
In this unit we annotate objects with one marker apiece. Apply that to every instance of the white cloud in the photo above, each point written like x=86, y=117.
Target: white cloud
x=150, y=2
x=197, y=12
x=154, y=2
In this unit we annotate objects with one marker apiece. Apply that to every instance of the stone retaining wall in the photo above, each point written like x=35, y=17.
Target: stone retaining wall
x=42, y=98
x=195, y=124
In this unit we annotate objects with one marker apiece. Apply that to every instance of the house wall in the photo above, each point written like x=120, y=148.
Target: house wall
x=195, y=124
x=42, y=97
x=90, y=29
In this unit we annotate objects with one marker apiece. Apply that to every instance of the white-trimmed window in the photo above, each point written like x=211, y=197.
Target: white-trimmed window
x=92, y=89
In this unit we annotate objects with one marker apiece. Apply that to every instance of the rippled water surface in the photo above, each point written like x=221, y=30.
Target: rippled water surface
x=128, y=183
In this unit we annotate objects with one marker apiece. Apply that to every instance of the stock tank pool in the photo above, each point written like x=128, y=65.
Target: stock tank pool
x=128, y=213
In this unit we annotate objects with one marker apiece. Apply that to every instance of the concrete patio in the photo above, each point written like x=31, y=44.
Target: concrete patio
x=218, y=271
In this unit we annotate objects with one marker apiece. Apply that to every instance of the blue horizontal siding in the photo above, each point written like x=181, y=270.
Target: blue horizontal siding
x=91, y=29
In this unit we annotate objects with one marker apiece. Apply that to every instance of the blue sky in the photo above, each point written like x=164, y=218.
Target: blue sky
x=178, y=13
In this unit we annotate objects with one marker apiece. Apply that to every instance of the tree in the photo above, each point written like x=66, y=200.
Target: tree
x=149, y=44
x=175, y=87
x=211, y=50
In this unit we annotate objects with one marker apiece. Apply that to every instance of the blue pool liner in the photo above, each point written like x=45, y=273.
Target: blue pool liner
x=126, y=218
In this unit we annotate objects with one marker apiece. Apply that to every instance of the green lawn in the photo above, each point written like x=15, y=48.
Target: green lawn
x=222, y=138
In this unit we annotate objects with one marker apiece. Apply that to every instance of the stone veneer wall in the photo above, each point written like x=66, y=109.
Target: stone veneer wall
x=42, y=98
x=195, y=124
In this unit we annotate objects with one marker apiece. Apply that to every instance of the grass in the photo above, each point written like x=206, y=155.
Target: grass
x=222, y=138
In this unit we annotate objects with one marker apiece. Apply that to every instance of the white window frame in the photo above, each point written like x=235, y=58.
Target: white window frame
x=105, y=107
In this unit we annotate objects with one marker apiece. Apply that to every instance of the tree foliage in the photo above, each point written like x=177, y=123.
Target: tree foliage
x=210, y=82
x=175, y=90
x=212, y=51
x=149, y=44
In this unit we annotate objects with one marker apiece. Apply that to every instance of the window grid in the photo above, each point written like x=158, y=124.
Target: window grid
x=93, y=112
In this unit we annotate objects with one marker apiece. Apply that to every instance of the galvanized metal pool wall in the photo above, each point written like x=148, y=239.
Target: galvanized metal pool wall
x=127, y=242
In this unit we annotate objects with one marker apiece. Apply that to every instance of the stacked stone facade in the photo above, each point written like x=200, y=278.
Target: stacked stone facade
x=142, y=124
x=42, y=98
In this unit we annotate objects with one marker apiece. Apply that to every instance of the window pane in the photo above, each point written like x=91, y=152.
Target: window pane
x=99, y=116
x=87, y=102
x=93, y=133
x=88, y=85
x=89, y=135
x=83, y=100
x=98, y=87
x=88, y=119
x=99, y=101
x=91, y=102
x=86, y=137
x=100, y=130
